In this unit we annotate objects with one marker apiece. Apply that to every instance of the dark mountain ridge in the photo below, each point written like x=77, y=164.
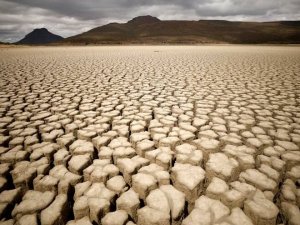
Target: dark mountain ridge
x=39, y=36
x=151, y=30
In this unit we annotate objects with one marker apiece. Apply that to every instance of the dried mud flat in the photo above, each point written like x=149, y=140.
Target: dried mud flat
x=150, y=135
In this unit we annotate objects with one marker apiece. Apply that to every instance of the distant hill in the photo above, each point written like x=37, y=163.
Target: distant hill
x=40, y=36
x=4, y=43
x=151, y=30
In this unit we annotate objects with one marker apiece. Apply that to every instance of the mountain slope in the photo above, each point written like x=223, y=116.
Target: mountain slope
x=40, y=36
x=151, y=30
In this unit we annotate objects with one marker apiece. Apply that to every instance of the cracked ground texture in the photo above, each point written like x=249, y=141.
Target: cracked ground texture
x=192, y=135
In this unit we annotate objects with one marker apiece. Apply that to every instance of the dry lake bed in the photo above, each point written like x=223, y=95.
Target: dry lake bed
x=150, y=135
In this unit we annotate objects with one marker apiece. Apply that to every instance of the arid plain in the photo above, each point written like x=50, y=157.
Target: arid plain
x=150, y=135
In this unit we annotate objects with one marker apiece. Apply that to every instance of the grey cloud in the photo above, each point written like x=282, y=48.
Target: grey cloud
x=93, y=9
x=70, y=17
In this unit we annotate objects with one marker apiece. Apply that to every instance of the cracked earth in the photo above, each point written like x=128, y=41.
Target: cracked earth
x=205, y=135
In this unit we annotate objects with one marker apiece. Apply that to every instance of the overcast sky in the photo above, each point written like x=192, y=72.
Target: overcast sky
x=70, y=17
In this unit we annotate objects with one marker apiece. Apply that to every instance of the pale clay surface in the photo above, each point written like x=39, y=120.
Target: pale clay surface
x=152, y=135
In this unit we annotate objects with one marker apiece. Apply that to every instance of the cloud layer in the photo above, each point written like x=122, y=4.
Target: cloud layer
x=70, y=17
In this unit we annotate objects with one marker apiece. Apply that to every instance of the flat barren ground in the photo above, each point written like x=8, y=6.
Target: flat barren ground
x=192, y=135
